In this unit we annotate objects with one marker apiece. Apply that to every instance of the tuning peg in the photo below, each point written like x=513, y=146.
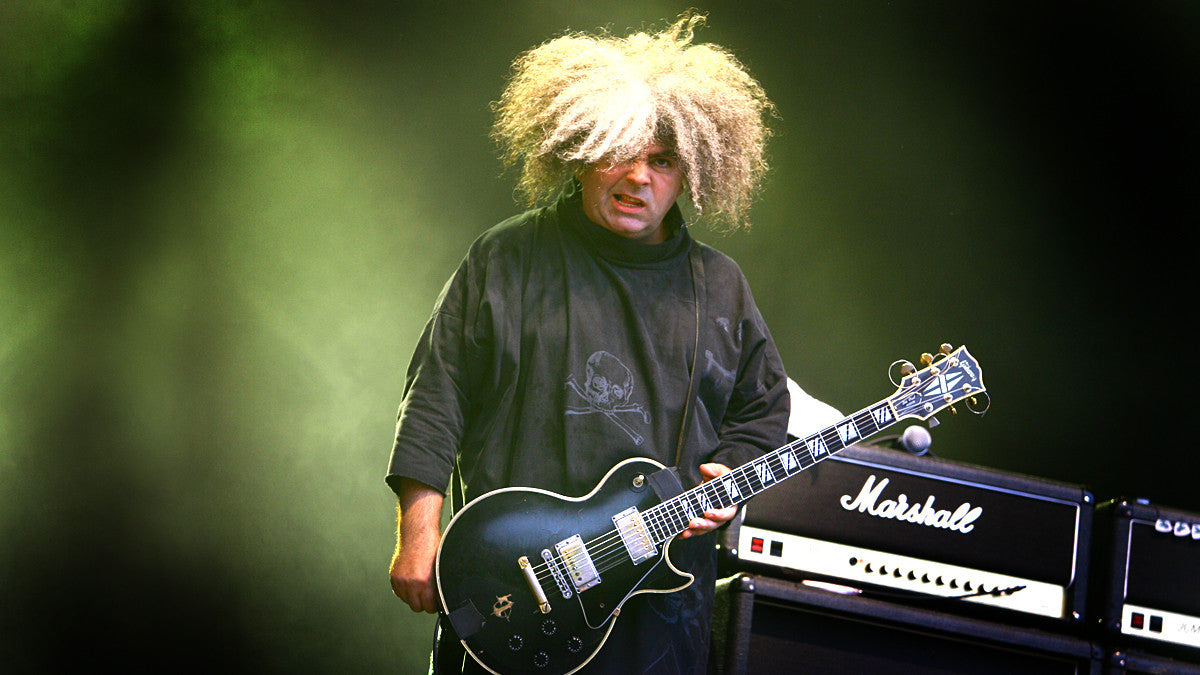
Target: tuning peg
x=946, y=348
x=979, y=407
x=927, y=358
x=906, y=368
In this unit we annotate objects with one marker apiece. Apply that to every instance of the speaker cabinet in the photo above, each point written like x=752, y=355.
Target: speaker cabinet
x=768, y=625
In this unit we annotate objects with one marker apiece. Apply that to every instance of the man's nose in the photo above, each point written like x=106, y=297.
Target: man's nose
x=638, y=172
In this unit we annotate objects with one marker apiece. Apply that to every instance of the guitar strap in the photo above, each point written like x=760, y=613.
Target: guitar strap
x=699, y=298
x=665, y=482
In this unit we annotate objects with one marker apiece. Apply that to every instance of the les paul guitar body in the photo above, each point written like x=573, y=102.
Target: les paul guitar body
x=480, y=578
x=533, y=582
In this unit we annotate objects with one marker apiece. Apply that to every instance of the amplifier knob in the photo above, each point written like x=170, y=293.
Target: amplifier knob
x=954, y=583
x=912, y=576
x=939, y=582
x=925, y=578
x=967, y=586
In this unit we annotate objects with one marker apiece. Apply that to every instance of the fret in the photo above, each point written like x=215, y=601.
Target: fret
x=681, y=512
x=715, y=492
x=788, y=461
x=655, y=523
x=745, y=476
x=774, y=463
x=865, y=423
x=729, y=484
x=848, y=432
x=816, y=447
x=882, y=415
x=833, y=441
x=755, y=477
x=678, y=517
x=802, y=454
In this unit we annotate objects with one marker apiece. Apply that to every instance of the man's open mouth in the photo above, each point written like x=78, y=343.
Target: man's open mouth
x=627, y=200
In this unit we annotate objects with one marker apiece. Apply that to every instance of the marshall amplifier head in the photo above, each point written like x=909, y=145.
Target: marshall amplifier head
x=887, y=522
x=1148, y=576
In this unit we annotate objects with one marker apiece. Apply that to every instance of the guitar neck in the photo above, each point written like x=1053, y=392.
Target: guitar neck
x=672, y=516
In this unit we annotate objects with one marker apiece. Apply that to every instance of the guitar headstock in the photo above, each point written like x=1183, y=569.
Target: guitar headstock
x=951, y=376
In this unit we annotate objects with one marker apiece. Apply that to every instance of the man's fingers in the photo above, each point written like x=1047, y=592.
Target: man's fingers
x=419, y=597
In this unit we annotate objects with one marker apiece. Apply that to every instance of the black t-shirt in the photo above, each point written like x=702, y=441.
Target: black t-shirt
x=558, y=349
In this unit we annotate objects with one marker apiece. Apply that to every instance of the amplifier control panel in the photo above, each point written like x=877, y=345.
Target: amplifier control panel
x=858, y=565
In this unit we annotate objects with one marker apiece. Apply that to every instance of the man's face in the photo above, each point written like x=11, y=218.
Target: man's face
x=631, y=199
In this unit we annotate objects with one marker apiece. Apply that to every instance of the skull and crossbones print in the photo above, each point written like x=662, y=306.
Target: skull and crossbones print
x=606, y=391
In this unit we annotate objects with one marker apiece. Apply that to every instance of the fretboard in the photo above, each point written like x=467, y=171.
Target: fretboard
x=673, y=515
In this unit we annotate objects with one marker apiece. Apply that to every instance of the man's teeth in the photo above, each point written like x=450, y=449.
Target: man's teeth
x=631, y=201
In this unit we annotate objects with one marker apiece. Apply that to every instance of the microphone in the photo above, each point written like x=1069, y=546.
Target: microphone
x=915, y=439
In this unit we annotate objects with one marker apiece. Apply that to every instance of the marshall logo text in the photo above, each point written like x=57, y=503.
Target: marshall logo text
x=960, y=520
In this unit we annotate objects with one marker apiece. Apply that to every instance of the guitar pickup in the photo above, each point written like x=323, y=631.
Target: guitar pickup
x=578, y=562
x=633, y=533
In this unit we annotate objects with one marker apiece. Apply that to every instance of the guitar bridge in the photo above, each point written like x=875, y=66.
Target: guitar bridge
x=578, y=562
x=559, y=579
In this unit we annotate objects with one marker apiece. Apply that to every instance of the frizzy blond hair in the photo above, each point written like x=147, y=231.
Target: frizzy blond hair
x=581, y=99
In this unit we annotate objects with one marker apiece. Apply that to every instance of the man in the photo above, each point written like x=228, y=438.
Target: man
x=594, y=328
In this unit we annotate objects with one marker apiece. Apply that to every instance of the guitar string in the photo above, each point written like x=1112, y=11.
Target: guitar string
x=659, y=518
x=603, y=547
x=671, y=511
x=608, y=550
x=695, y=500
x=774, y=461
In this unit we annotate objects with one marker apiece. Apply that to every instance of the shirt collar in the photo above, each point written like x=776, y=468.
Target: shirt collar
x=613, y=246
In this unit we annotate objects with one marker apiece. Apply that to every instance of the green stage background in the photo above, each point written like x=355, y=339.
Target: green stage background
x=223, y=225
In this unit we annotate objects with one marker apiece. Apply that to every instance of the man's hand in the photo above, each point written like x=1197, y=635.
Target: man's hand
x=418, y=522
x=713, y=518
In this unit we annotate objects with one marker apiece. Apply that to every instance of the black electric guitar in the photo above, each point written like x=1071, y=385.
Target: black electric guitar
x=533, y=581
